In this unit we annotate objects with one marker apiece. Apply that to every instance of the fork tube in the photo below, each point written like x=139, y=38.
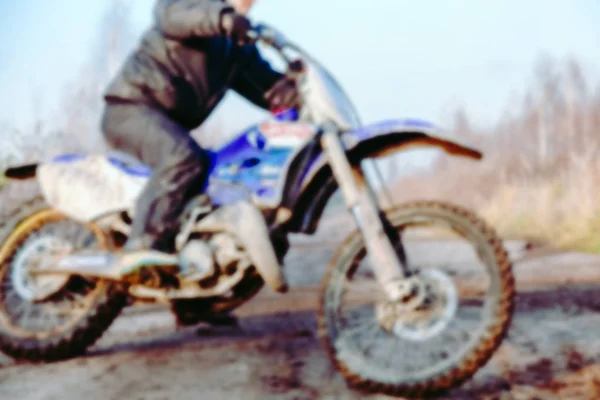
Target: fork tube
x=372, y=174
x=361, y=201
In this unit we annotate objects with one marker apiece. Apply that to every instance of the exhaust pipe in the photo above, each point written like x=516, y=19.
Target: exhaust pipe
x=106, y=265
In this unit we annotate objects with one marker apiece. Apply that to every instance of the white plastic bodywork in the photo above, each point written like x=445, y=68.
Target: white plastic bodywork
x=89, y=188
x=245, y=221
x=325, y=101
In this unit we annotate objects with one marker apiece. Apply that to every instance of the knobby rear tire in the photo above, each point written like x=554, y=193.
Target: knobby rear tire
x=108, y=302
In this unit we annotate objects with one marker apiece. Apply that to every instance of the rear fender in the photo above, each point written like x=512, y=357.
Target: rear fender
x=372, y=141
x=86, y=187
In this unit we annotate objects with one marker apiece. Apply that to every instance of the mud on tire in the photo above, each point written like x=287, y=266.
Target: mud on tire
x=478, y=355
x=105, y=300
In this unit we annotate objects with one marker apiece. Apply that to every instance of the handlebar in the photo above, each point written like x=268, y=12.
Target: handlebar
x=296, y=68
x=268, y=35
x=277, y=41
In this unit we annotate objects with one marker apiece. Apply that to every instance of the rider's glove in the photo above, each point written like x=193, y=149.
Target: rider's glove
x=283, y=95
x=236, y=27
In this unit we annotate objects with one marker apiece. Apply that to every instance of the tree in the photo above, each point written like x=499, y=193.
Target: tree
x=546, y=93
x=83, y=100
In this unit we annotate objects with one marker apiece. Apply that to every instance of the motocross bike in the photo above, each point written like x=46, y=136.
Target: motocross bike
x=58, y=296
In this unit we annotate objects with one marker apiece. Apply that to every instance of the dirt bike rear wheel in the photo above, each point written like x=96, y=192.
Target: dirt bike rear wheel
x=82, y=308
x=361, y=370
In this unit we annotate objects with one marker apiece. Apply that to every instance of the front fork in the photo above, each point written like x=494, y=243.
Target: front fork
x=390, y=271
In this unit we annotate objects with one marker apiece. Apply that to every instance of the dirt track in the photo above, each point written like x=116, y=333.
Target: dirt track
x=553, y=348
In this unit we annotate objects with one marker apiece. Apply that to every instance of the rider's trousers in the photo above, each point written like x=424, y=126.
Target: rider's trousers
x=179, y=165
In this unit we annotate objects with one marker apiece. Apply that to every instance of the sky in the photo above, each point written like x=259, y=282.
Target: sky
x=396, y=58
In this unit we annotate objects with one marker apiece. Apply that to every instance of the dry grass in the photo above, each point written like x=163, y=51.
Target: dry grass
x=563, y=211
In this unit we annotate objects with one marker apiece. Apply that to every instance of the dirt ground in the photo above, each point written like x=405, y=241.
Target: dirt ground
x=552, y=351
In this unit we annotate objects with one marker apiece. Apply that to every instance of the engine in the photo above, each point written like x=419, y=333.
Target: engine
x=210, y=262
x=217, y=252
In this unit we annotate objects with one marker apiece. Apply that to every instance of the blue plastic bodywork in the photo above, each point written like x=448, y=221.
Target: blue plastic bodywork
x=250, y=165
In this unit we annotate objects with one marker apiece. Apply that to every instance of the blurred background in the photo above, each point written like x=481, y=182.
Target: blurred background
x=520, y=80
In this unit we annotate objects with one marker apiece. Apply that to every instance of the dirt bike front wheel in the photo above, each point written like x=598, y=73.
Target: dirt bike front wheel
x=368, y=338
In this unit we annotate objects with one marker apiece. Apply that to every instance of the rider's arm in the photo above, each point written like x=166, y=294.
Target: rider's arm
x=181, y=19
x=255, y=78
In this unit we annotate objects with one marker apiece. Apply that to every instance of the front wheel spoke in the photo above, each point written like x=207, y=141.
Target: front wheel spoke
x=465, y=331
x=468, y=314
x=454, y=266
x=450, y=341
x=391, y=355
x=356, y=316
x=439, y=348
x=372, y=332
x=364, y=326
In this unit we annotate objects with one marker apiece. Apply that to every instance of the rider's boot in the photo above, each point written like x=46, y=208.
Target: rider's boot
x=158, y=251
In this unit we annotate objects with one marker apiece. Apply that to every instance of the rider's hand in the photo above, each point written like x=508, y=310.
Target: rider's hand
x=236, y=27
x=283, y=95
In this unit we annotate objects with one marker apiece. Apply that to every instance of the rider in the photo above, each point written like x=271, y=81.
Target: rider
x=168, y=86
x=196, y=50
